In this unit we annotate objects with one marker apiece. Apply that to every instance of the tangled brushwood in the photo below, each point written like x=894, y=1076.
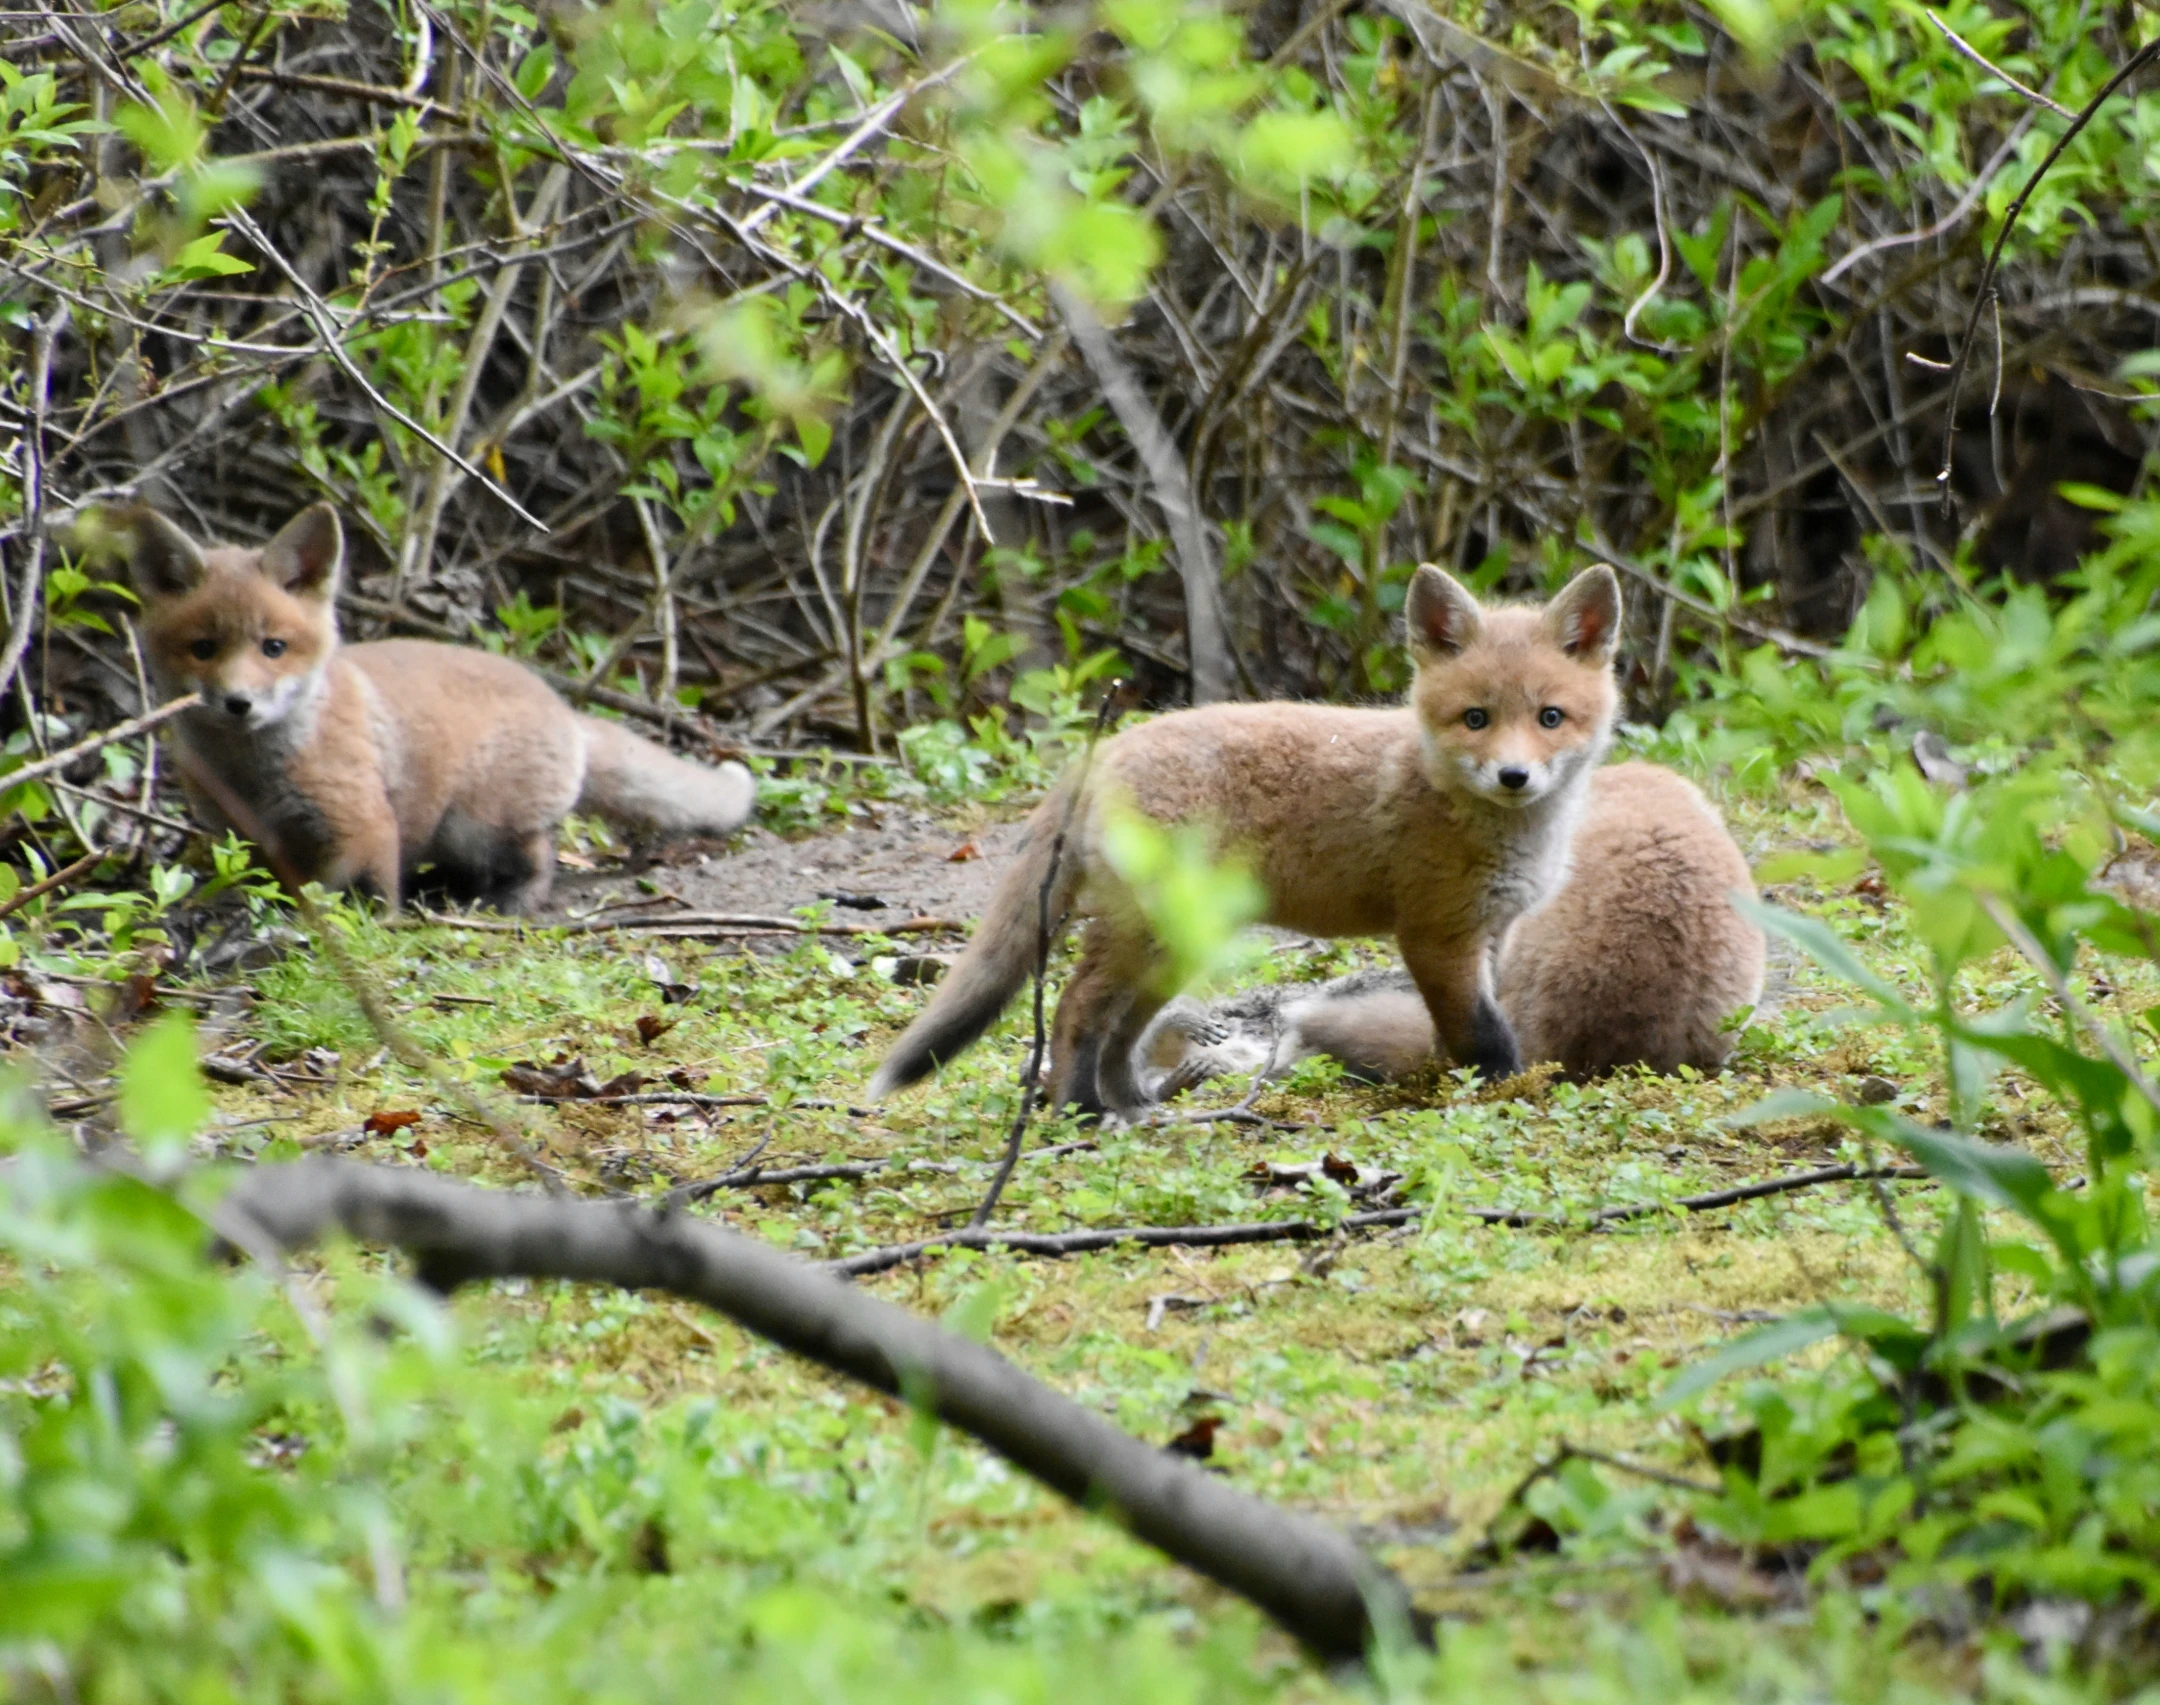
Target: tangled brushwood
x=710, y=352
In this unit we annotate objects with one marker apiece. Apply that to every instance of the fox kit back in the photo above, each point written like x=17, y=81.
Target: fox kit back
x=359, y=765
x=1438, y=823
x=1640, y=958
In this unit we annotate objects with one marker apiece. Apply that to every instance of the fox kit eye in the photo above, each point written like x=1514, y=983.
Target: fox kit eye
x=1552, y=716
x=203, y=650
x=1475, y=718
x=273, y=648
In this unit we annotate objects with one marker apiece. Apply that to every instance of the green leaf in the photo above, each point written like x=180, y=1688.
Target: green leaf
x=1771, y=1343
x=1821, y=944
x=163, y=1100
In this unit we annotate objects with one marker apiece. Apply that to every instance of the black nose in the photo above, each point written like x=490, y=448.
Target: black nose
x=238, y=706
x=1514, y=779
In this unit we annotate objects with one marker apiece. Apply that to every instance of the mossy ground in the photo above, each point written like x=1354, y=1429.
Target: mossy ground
x=696, y=1486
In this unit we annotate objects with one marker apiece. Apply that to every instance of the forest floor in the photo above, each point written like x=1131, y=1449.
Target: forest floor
x=708, y=1500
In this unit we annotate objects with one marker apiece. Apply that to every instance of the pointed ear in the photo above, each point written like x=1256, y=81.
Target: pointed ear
x=163, y=561
x=308, y=553
x=1585, y=618
x=1443, y=616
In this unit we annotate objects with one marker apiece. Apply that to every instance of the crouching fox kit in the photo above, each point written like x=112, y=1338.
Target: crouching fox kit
x=356, y=765
x=1638, y=959
x=1436, y=823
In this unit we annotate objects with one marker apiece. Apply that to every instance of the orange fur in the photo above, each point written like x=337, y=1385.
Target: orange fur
x=1437, y=823
x=1637, y=960
x=1640, y=957
x=357, y=765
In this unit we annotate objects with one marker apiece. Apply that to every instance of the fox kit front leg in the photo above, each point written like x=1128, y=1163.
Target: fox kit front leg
x=1472, y=1028
x=1113, y=995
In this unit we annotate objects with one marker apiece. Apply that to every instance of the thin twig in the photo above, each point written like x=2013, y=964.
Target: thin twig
x=91, y=743
x=1031, y=1073
x=58, y=879
x=1986, y=289
x=1991, y=68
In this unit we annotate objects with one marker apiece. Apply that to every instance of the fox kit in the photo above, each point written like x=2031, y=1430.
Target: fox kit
x=358, y=764
x=1436, y=823
x=1638, y=959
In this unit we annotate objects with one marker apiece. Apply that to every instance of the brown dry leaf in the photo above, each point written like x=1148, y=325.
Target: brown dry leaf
x=963, y=852
x=1196, y=1441
x=650, y=1028
x=385, y=1120
x=574, y=859
x=562, y=1079
x=623, y=1083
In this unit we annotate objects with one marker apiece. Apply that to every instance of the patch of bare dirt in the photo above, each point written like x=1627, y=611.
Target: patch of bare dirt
x=900, y=865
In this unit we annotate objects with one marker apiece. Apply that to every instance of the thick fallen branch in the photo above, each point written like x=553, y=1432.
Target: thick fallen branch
x=1314, y=1581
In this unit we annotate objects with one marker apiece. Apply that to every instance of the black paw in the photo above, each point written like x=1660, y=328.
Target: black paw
x=1493, y=1048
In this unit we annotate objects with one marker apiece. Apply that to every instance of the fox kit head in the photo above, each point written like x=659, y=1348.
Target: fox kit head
x=1514, y=703
x=251, y=630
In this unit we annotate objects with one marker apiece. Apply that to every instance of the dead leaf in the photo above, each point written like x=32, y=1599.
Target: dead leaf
x=563, y=1080
x=1341, y=1170
x=650, y=1029
x=574, y=859
x=384, y=1120
x=623, y=1083
x=965, y=851
x=1196, y=1441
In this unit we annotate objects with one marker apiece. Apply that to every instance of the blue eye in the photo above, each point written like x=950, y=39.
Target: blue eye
x=1552, y=716
x=1475, y=718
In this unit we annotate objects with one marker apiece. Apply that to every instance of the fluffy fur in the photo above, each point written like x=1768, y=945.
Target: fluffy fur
x=1437, y=823
x=1637, y=960
x=358, y=765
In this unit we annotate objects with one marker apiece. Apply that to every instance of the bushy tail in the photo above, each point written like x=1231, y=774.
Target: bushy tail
x=997, y=962
x=633, y=782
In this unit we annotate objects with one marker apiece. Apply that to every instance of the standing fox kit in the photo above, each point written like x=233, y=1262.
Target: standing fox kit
x=1436, y=823
x=356, y=765
x=1638, y=960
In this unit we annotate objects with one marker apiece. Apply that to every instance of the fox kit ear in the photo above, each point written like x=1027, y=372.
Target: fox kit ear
x=1443, y=616
x=162, y=561
x=307, y=553
x=1585, y=618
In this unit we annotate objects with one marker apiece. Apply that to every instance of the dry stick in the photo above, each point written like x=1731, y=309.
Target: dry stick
x=685, y=923
x=1314, y=1581
x=419, y=544
x=27, y=599
x=2137, y=62
x=38, y=890
x=1031, y=1074
x=1207, y=649
x=332, y=344
x=1299, y=1231
x=1991, y=68
x=91, y=743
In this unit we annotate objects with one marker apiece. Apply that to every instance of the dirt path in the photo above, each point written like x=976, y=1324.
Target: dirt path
x=907, y=862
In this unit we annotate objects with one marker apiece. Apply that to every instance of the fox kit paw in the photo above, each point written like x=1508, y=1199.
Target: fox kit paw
x=1493, y=1048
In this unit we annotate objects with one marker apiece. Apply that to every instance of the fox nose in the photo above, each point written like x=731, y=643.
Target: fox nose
x=1514, y=780
x=236, y=704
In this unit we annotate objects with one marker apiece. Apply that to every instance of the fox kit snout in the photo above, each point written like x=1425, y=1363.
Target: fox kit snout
x=1437, y=823
x=360, y=765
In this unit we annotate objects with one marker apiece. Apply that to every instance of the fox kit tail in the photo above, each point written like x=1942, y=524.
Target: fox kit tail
x=997, y=961
x=634, y=782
